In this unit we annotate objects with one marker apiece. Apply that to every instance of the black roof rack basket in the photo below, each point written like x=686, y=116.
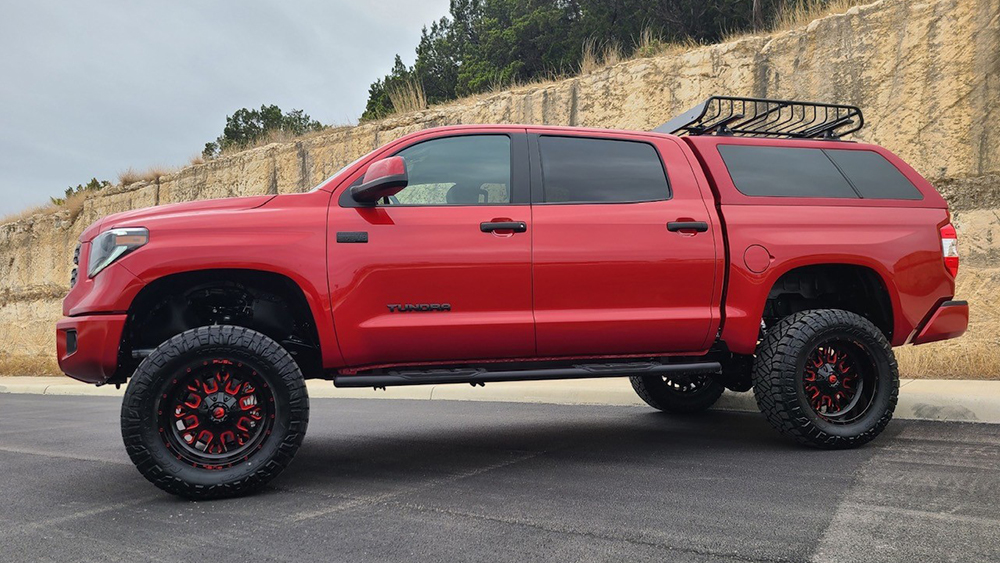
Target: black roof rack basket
x=759, y=117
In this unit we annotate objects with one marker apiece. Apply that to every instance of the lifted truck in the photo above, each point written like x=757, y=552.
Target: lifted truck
x=742, y=245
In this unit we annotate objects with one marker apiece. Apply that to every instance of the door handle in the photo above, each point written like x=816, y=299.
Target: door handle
x=696, y=226
x=513, y=226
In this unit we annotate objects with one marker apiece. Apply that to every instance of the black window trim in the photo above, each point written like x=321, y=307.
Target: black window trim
x=538, y=188
x=847, y=178
x=519, y=173
x=842, y=173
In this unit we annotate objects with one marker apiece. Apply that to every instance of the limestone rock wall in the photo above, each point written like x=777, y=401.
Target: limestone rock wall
x=925, y=73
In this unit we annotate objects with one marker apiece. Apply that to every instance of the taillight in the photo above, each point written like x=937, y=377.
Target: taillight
x=949, y=248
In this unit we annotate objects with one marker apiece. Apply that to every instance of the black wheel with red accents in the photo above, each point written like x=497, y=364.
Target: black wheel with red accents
x=218, y=412
x=215, y=412
x=827, y=378
x=839, y=381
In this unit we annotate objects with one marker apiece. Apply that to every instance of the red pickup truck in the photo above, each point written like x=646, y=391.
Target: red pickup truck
x=741, y=246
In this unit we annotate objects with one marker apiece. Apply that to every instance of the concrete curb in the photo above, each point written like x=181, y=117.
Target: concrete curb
x=919, y=399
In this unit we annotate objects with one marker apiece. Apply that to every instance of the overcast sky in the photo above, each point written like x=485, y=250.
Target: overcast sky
x=92, y=88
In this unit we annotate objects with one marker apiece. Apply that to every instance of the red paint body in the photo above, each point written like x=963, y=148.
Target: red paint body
x=949, y=320
x=583, y=281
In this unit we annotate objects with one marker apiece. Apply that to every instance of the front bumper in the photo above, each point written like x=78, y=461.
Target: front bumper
x=87, y=346
x=949, y=321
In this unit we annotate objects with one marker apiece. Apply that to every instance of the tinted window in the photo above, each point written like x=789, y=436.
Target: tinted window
x=784, y=172
x=470, y=170
x=873, y=176
x=597, y=170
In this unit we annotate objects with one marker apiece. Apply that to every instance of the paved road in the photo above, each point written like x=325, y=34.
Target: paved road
x=383, y=480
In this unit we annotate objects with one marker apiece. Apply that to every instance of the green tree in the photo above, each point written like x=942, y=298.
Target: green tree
x=245, y=127
x=379, y=105
x=483, y=44
x=438, y=54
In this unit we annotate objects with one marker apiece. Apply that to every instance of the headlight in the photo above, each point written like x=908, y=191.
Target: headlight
x=112, y=245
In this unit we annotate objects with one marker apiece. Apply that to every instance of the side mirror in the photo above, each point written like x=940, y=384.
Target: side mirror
x=384, y=178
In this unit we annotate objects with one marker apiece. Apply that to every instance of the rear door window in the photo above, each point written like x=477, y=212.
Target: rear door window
x=808, y=172
x=584, y=170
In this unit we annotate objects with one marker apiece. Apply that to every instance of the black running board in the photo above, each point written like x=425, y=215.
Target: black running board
x=481, y=375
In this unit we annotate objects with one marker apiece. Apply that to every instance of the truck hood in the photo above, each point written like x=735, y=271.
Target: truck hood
x=136, y=217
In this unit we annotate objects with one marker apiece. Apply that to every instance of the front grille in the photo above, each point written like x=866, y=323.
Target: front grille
x=76, y=262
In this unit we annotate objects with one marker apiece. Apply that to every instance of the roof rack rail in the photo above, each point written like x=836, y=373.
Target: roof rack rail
x=760, y=117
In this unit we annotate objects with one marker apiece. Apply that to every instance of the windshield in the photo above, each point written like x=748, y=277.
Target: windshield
x=341, y=171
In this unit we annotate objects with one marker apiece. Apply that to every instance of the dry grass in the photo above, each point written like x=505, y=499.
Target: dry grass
x=798, y=16
x=29, y=365
x=25, y=213
x=128, y=176
x=976, y=355
x=408, y=96
x=598, y=55
x=805, y=11
x=196, y=160
x=651, y=44
x=967, y=357
x=74, y=204
x=152, y=174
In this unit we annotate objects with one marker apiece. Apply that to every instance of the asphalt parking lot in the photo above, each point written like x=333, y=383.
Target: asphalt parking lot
x=384, y=480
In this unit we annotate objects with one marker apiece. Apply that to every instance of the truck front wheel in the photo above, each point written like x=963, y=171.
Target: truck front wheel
x=677, y=394
x=214, y=412
x=827, y=378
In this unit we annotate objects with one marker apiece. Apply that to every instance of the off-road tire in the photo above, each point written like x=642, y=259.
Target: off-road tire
x=659, y=394
x=143, y=431
x=779, y=368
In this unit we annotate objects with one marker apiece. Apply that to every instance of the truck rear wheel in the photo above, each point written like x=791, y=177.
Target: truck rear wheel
x=678, y=394
x=214, y=412
x=827, y=378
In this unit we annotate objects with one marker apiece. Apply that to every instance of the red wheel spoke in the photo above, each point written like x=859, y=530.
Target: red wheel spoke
x=233, y=387
x=831, y=381
x=211, y=389
x=248, y=402
x=216, y=415
x=193, y=401
x=203, y=440
x=226, y=438
x=188, y=422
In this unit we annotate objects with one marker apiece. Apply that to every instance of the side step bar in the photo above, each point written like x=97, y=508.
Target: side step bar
x=477, y=376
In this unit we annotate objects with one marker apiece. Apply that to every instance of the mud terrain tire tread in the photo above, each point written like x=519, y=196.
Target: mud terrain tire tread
x=138, y=416
x=776, y=377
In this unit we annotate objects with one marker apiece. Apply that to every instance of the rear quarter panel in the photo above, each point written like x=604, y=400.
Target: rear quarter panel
x=901, y=247
x=898, y=239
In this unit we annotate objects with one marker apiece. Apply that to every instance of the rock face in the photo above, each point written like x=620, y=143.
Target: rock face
x=926, y=74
